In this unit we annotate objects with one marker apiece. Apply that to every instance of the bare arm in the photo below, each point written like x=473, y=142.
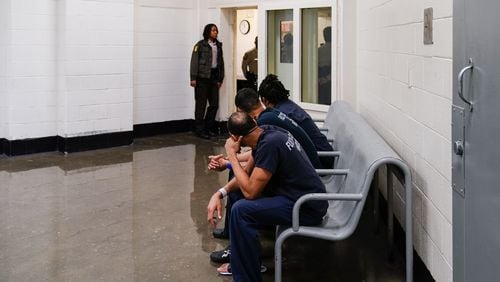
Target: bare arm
x=251, y=183
x=214, y=208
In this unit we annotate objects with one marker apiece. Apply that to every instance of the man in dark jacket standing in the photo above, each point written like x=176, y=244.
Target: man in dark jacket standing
x=206, y=75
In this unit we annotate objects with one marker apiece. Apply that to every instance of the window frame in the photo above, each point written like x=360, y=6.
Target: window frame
x=297, y=48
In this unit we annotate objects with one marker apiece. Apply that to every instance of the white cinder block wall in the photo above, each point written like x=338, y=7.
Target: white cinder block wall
x=164, y=37
x=4, y=28
x=405, y=92
x=68, y=67
x=95, y=82
x=30, y=68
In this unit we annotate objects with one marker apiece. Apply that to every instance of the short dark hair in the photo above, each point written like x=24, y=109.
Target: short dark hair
x=327, y=34
x=207, y=29
x=273, y=90
x=240, y=124
x=247, y=99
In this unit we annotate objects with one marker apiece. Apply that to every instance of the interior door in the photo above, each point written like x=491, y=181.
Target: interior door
x=475, y=139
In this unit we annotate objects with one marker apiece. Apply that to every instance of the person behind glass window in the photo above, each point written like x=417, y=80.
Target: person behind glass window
x=325, y=68
x=249, y=66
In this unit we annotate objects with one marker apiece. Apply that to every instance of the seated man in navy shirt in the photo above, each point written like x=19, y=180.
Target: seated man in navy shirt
x=247, y=100
x=273, y=94
x=276, y=175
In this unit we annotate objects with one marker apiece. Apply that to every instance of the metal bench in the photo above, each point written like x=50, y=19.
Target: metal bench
x=361, y=151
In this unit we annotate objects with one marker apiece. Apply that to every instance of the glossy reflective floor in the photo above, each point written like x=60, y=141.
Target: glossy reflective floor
x=138, y=213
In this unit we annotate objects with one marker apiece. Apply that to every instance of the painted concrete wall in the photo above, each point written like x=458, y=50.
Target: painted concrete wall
x=28, y=68
x=4, y=41
x=165, y=33
x=405, y=91
x=95, y=64
x=68, y=67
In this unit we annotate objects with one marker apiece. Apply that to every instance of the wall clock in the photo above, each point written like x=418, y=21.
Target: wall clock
x=244, y=26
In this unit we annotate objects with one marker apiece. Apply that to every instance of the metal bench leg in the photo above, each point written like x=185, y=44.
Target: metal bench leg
x=278, y=253
x=409, y=227
x=376, y=202
x=390, y=217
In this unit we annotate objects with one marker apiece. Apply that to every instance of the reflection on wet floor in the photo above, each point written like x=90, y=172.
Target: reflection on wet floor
x=138, y=213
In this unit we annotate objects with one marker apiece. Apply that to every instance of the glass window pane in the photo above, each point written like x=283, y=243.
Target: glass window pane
x=280, y=45
x=316, y=54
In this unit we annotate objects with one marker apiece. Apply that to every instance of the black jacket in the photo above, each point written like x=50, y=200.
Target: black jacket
x=201, y=61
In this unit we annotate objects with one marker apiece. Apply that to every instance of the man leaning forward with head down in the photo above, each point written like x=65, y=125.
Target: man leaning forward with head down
x=276, y=175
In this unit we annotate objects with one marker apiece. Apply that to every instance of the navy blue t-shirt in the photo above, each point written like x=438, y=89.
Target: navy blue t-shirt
x=278, y=152
x=274, y=117
x=305, y=121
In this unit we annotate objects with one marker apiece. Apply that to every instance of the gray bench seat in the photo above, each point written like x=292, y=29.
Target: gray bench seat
x=360, y=152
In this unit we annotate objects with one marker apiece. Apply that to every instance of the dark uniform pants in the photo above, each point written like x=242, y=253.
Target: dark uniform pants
x=247, y=216
x=206, y=90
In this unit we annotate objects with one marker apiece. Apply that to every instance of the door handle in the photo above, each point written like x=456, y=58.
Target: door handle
x=461, y=83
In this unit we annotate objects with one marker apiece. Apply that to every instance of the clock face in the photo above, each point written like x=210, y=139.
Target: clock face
x=244, y=26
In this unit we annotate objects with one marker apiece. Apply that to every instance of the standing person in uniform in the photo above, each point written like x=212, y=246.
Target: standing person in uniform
x=249, y=66
x=207, y=74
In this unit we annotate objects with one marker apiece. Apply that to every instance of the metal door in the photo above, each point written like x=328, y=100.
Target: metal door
x=476, y=140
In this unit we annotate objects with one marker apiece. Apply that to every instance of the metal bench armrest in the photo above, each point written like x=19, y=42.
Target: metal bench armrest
x=328, y=153
x=334, y=171
x=319, y=196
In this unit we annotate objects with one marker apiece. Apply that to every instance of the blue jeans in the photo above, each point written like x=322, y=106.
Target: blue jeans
x=247, y=216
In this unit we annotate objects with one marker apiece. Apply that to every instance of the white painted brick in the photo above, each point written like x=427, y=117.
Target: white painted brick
x=78, y=128
x=32, y=21
x=441, y=9
x=32, y=53
x=107, y=125
x=442, y=38
x=126, y=95
x=408, y=102
x=39, y=7
x=174, y=4
x=43, y=129
x=417, y=205
x=443, y=41
x=436, y=150
x=119, y=110
x=162, y=20
x=413, y=135
x=435, y=186
x=32, y=68
x=403, y=39
x=92, y=112
x=437, y=76
x=114, y=96
x=32, y=37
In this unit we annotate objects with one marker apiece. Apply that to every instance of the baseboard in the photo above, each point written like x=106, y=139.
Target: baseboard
x=99, y=141
x=67, y=145
x=3, y=144
x=166, y=127
x=29, y=146
x=93, y=142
